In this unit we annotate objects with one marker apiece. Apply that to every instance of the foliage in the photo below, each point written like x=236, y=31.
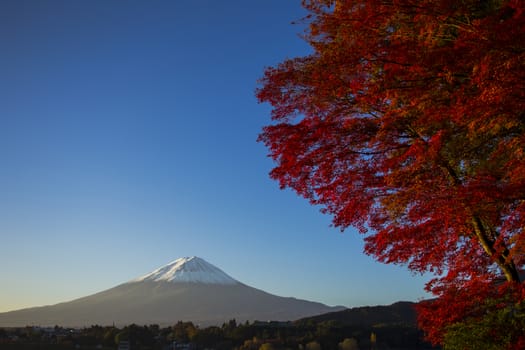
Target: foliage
x=502, y=328
x=313, y=345
x=267, y=346
x=408, y=122
x=276, y=335
x=140, y=336
x=183, y=331
x=349, y=344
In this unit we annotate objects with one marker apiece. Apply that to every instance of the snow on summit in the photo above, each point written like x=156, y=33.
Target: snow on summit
x=189, y=270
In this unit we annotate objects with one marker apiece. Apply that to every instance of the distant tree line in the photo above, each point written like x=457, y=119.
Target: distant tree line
x=306, y=335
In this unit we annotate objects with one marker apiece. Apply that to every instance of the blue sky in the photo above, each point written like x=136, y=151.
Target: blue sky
x=128, y=139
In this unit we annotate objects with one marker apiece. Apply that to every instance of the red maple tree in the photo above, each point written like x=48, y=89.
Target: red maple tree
x=407, y=121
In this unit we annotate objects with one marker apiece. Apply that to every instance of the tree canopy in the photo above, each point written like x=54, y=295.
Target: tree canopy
x=407, y=121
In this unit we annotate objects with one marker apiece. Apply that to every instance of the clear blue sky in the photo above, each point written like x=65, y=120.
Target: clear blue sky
x=128, y=139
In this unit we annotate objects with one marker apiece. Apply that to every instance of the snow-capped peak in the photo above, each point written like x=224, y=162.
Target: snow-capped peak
x=190, y=270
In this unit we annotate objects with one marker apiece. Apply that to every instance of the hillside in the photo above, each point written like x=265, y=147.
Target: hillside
x=400, y=313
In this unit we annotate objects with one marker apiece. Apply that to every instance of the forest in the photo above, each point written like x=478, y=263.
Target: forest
x=304, y=334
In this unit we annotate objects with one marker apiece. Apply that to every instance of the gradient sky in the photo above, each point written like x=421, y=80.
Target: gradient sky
x=128, y=139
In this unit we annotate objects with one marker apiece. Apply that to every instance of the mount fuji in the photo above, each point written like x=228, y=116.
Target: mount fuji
x=187, y=289
x=188, y=270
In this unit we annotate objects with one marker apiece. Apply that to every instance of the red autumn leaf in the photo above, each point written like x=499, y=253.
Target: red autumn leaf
x=407, y=121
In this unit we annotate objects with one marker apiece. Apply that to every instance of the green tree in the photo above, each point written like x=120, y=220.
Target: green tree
x=349, y=344
x=267, y=346
x=183, y=331
x=208, y=337
x=373, y=340
x=122, y=336
x=501, y=328
x=109, y=338
x=313, y=345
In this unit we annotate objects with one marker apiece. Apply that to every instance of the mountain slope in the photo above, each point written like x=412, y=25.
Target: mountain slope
x=188, y=289
x=400, y=313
